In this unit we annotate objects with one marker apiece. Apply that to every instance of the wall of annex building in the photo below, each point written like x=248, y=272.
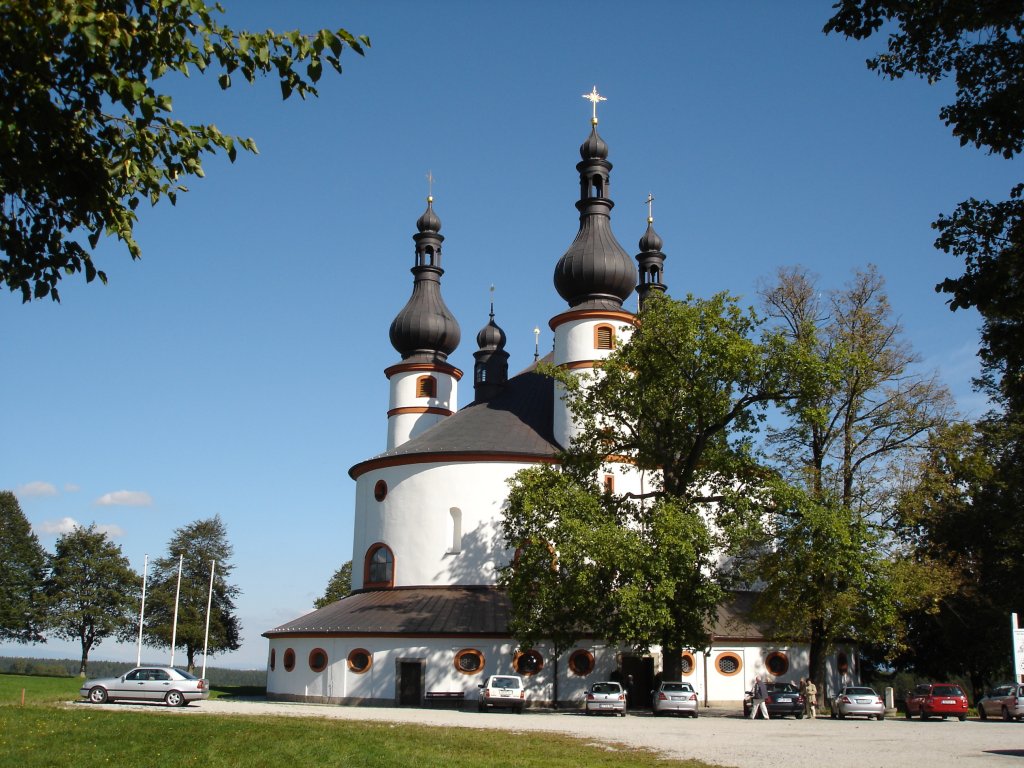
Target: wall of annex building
x=340, y=681
x=442, y=521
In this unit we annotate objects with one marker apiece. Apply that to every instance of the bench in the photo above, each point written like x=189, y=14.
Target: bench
x=445, y=698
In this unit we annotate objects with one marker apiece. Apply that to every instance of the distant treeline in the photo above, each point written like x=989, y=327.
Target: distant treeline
x=18, y=665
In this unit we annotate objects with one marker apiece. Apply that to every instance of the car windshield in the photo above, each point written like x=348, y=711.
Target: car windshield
x=505, y=682
x=860, y=692
x=676, y=687
x=606, y=688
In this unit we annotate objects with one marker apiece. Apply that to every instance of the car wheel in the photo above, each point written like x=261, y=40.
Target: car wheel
x=924, y=715
x=982, y=714
x=695, y=714
x=174, y=699
x=1006, y=714
x=840, y=715
x=943, y=718
x=833, y=715
x=799, y=715
x=882, y=716
x=961, y=718
x=906, y=713
x=98, y=695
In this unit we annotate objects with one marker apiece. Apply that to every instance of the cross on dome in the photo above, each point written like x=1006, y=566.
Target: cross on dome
x=650, y=207
x=593, y=97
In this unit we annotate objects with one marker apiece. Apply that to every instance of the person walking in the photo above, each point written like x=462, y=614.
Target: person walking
x=811, y=700
x=760, y=694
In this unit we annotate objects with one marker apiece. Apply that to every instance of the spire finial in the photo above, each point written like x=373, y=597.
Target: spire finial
x=430, y=187
x=536, y=343
x=492, y=301
x=593, y=97
x=650, y=208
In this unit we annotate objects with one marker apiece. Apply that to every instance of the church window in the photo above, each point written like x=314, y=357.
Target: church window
x=609, y=484
x=318, y=660
x=456, y=514
x=380, y=490
x=581, y=662
x=360, y=660
x=289, y=660
x=273, y=658
x=728, y=664
x=528, y=663
x=469, y=661
x=604, y=337
x=777, y=663
x=688, y=663
x=379, y=567
x=426, y=386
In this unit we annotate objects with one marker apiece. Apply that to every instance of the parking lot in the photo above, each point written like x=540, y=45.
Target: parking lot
x=718, y=737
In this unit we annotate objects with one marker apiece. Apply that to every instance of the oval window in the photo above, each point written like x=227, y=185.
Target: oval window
x=777, y=663
x=528, y=663
x=273, y=658
x=380, y=490
x=581, y=662
x=728, y=664
x=688, y=663
x=359, y=660
x=469, y=661
x=318, y=659
x=289, y=660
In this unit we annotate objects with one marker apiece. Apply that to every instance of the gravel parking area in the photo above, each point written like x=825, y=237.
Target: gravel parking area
x=719, y=738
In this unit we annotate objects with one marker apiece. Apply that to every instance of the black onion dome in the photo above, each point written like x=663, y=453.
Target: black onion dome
x=595, y=272
x=425, y=329
x=651, y=264
x=491, y=336
x=651, y=241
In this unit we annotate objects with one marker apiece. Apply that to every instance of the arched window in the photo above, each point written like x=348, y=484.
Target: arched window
x=456, y=514
x=604, y=337
x=379, y=567
x=426, y=386
x=609, y=484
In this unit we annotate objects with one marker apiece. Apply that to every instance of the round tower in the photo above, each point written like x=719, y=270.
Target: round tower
x=490, y=371
x=594, y=276
x=424, y=386
x=650, y=259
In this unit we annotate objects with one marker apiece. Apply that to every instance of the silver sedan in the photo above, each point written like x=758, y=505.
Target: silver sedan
x=605, y=697
x=173, y=686
x=677, y=697
x=858, y=701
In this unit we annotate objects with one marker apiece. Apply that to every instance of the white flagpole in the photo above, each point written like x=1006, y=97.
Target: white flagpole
x=209, y=602
x=177, y=594
x=142, y=610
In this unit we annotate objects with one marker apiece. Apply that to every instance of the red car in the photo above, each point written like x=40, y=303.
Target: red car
x=938, y=700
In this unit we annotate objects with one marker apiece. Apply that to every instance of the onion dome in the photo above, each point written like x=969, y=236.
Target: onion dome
x=595, y=272
x=651, y=261
x=425, y=330
x=490, y=371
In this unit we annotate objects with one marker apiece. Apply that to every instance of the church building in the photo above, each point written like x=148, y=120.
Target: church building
x=426, y=619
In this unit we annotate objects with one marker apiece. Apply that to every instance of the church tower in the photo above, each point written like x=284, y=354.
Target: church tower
x=424, y=386
x=490, y=371
x=650, y=259
x=594, y=276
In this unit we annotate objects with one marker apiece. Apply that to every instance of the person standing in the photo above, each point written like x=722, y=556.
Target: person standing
x=760, y=694
x=811, y=699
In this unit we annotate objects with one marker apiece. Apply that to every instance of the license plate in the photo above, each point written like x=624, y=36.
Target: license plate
x=606, y=706
x=949, y=701
x=863, y=701
x=785, y=700
x=676, y=698
x=506, y=691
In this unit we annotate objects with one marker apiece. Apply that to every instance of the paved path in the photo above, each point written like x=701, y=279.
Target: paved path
x=716, y=737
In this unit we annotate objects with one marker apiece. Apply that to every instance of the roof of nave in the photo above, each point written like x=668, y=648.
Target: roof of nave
x=455, y=610
x=517, y=422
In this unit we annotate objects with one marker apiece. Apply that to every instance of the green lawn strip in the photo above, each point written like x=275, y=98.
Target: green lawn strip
x=38, y=689
x=37, y=736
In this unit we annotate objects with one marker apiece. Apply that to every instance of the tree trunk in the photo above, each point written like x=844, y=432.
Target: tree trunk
x=84, y=666
x=191, y=653
x=556, y=653
x=816, y=660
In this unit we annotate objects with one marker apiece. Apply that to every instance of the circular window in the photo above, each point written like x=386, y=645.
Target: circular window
x=581, y=662
x=469, y=661
x=528, y=663
x=728, y=664
x=380, y=490
x=842, y=663
x=777, y=663
x=688, y=663
x=318, y=659
x=273, y=658
x=359, y=660
x=289, y=660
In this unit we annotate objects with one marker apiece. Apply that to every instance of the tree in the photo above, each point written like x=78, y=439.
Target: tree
x=829, y=562
x=979, y=44
x=198, y=545
x=338, y=587
x=87, y=136
x=682, y=400
x=22, y=570
x=92, y=592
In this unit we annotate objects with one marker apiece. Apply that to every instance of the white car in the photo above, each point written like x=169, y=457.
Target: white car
x=677, y=697
x=176, y=687
x=606, y=697
x=502, y=691
x=858, y=700
x=1006, y=701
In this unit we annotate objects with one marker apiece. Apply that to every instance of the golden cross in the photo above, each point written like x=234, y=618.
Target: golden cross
x=593, y=97
x=650, y=208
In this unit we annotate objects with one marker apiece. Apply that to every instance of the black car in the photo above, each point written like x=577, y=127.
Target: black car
x=783, y=699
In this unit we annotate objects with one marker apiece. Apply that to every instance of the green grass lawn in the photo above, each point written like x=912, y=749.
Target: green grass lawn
x=44, y=732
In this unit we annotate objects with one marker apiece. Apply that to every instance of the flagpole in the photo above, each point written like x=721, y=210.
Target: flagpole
x=209, y=602
x=177, y=594
x=142, y=610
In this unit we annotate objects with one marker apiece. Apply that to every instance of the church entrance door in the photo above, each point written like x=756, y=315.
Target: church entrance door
x=642, y=670
x=410, y=683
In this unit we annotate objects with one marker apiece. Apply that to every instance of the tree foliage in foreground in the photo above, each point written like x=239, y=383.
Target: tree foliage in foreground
x=23, y=565
x=339, y=586
x=198, y=544
x=92, y=593
x=87, y=132
x=682, y=399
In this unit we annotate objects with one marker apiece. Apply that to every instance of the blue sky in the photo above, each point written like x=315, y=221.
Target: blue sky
x=238, y=368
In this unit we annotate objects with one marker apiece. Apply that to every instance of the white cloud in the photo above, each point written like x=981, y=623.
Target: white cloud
x=113, y=531
x=62, y=526
x=37, y=488
x=125, y=499
x=72, y=487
